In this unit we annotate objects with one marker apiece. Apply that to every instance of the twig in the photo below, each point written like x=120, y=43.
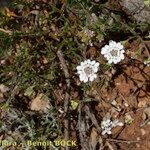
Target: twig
x=122, y=141
x=67, y=95
x=145, y=122
x=145, y=46
x=94, y=121
x=109, y=145
x=6, y=31
x=92, y=117
x=82, y=130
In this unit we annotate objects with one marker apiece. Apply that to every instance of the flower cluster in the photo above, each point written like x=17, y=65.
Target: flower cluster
x=86, y=36
x=108, y=124
x=87, y=70
x=114, y=52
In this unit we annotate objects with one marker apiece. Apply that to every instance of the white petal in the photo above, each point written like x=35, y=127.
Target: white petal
x=112, y=43
x=82, y=77
x=105, y=49
x=119, y=46
x=79, y=72
x=120, y=124
x=121, y=56
x=122, y=50
x=115, y=122
x=83, y=64
x=110, y=61
x=96, y=64
x=104, y=132
x=108, y=132
x=88, y=61
x=119, y=59
x=108, y=56
x=85, y=79
x=116, y=61
x=90, y=43
x=79, y=68
x=108, y=121
x=95, y=76
x=93, y=62
x=92, y=77
x=95, y=69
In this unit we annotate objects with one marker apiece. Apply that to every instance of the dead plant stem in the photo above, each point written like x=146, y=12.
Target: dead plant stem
x=67, y=95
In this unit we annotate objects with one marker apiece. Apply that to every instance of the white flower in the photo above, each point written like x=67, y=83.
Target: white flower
x=116, y=123
x=114, y=52
x=89, y=33
x=107, y=125
x=87, y=70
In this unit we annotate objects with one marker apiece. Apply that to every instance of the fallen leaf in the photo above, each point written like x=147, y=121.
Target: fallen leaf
x=3, y=88
x=45, y=61
x=146, y=113
x=91, y=52
x=10, y=13
x=93, y=138
x=1, y=97
x=40, y=103
x=143, y=103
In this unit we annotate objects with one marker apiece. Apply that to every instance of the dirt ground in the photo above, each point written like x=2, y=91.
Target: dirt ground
x=42, y=96
x=131, y=91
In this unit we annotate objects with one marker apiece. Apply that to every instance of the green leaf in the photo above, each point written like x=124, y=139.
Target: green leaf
x=74, y=104
x=29, y=91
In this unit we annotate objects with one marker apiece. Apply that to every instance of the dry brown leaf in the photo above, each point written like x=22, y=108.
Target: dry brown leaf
x=91, y=52
x=10, y=13
x=45, y=60
x=143, y=102
x=146, y=113
x=1, y=97
x=93, y=138
x=3, y=88
x=40, y=103
x=58, y=93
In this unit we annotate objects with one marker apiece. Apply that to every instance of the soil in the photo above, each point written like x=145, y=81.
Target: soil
x=131, y=91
